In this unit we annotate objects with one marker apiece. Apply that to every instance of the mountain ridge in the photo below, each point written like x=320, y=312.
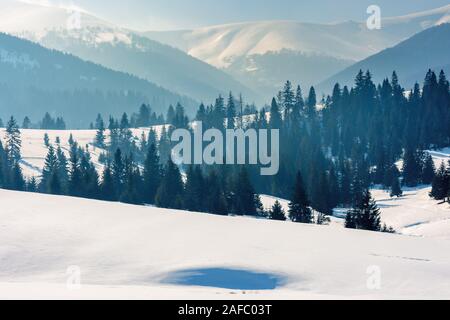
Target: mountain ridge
x=410, y=59
x=120, y=49
x=64, y=85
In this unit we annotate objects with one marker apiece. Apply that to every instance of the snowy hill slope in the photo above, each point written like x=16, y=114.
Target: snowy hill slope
x=96, y=40
x=34, y=150
x=35, y=80
x=254, y=52
x=414, y=214
x=131, y=252
x=220, y=45
x=411, y=59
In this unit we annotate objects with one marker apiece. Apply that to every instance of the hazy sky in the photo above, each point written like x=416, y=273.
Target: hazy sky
x=180, y=14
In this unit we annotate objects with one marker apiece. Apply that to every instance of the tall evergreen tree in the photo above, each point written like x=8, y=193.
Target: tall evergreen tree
x=366, y=215
x=277, y=212
x=49, y=173
x=312, y=102
x=440, y=184
x=170, y=191
x=396, y=189
x=194, y=195
x=107, y=188
x=151, y=176
x=13, y=142
x=215, y=199
x=428, y=171
x=244, y=194
x=275, y=116
x=299, y=207
x=26, y=123
x=100, y=137
x=231, y=112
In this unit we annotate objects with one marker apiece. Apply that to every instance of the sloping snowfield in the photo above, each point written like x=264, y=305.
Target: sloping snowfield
x=132, y=252
x=415, y=213
x=34, y=150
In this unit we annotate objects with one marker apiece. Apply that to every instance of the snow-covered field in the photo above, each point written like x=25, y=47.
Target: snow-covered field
x=128, y=252
x=34, y=150
x=137, y=252
x=415, y=213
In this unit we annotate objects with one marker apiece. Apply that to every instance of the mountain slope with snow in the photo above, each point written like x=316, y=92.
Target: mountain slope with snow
x=414, y=214
x=35, y=80
x=220, y=45
x=411, y=59
x=242, y=48
x=127, y=252
x=92, y=39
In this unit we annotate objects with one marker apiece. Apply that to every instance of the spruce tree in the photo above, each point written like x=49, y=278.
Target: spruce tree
x=26, y=123
x=49, y=171
x=107, y=189
x=17, y=180
x=100, y=135
x=277, y=212
x=299, y=207
x=275, y=116
x=151, y=175
x=75, y=177
x=118, y=171
x=215, y=200
x=132, y=183
x=244, y=194
x=428, y=171
x=231, y=112
x=13, y=142
x=54, y=186
x=440, y=184
x=46, y=140
x=62, y=168
x=396, y=189
x=365, y=216
x=411, y=168
x=170, y=191
x=312, y=102
x=194, y=195
x=32, y=185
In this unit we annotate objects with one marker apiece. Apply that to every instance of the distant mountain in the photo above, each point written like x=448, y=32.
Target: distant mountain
x=90, y=38
x=267, y=72
x=411, y=59
x=252, y=51
x=34, y=80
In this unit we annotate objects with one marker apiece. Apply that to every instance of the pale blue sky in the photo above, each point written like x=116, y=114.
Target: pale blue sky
x=179, y=14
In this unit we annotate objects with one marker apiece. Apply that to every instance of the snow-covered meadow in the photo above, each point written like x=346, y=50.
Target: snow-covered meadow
x=133, y=252
x=34, y=150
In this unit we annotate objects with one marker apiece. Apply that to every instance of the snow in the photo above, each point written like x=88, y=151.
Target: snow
x=40, y=18
x=134, y=252
x=415, y=213
x=34, y=150
x=221, y=45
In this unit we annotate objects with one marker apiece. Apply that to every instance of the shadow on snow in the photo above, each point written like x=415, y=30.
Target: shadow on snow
x=225, y=278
